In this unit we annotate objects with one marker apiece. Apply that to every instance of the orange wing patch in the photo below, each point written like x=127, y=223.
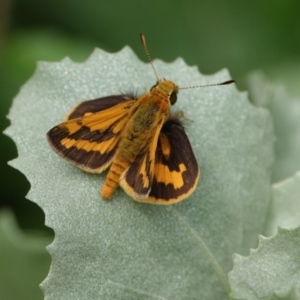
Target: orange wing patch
x=166, y=176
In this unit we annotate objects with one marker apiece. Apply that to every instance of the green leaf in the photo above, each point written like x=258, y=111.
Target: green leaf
x=285, y=111
x=294, y=294
x=272, y=271
x=103, y=250
x=23, y=259
x=285, y=207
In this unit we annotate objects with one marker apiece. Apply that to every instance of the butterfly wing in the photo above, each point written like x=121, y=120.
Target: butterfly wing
x=168, y=172
x=89, y=137
x=176, y=172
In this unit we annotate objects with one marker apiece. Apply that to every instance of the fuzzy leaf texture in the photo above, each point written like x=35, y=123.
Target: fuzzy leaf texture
x=272, y=271
x=123, y=249
x=285, y=110
x=285, y=207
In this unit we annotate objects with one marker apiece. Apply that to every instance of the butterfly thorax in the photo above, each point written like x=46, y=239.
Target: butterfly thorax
x=150, y=111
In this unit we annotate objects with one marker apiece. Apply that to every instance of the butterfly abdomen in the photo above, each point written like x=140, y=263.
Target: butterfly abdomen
x=112, y=179
x=125, y=155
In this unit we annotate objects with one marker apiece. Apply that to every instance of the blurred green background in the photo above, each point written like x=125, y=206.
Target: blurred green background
x=240, y=35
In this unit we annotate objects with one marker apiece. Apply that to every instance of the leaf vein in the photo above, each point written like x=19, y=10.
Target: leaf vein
x=206, y=251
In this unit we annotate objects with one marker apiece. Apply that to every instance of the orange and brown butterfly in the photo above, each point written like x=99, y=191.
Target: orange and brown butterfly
x=145, y=147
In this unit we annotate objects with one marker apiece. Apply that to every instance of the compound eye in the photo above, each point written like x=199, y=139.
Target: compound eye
x=173, y=97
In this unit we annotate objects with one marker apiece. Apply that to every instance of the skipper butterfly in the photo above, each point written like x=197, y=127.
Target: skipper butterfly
x=144, y=146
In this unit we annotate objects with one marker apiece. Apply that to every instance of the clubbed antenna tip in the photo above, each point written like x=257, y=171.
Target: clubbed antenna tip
x=206, y=85
x=227, y=82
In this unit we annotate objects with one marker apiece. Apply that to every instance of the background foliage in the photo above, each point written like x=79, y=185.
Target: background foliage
x=241, y=36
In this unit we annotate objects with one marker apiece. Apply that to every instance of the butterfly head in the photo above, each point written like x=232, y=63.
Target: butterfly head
x=166, y=87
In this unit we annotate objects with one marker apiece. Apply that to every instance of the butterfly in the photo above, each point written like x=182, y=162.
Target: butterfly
x=144, y=146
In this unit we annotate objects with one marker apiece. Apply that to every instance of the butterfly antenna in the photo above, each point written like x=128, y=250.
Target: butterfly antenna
x=214, y=84
x=143, y=39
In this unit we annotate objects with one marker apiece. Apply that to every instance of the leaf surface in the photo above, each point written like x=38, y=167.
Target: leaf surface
x=272, y=271
x=103, y=250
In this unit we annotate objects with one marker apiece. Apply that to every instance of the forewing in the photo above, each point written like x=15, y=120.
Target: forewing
x=90, y=140
x=176, y=170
